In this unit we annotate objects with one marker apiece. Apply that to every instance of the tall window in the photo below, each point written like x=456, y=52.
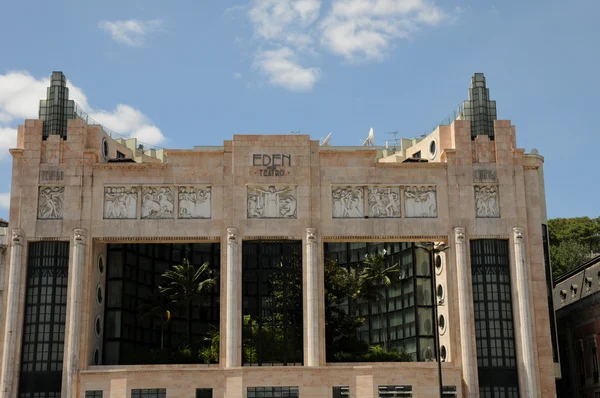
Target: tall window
x=45, y=317
x=494, y=329
x=134, y=272
x=406, y=318
x=272, y=303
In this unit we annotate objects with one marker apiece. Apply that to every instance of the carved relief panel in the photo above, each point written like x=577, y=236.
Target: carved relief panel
x=274, y=201
x=420, y=201
x=51, y=203
x=384, y=202
x=120, y=202
x=194, y=202
x=157, y=202
x=348, y=202
x=486, y=201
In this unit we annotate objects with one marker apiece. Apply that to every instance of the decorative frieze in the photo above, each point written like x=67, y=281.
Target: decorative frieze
x=486, y=201
x=384, y=202
x=348, y=202
x=120, y=202
x=273, y=201
x=420, y=201
x=157, y=202
x=51, y=203
x=194, y=202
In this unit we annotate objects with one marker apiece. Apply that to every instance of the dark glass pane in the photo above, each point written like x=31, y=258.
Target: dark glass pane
x=134, y=272
x=272, y=302
x=45, y=316
x=494, y=327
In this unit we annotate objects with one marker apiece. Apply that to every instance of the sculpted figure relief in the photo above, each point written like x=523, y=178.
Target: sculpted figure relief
x=194, y=202
x=50, y=203
x=420, y=202
x=348, y=202
x=272, y=202
x=486, y=201
x=384, y=202
x=120, y=202
x=157, y=202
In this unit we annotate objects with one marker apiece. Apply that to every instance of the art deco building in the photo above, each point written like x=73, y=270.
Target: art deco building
x=298, y=237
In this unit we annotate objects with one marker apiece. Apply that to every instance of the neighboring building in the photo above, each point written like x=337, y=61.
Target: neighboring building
x=3, y=246
x=577, y=305
x=96, y=221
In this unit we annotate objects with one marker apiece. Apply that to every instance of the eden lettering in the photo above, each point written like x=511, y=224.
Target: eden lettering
x=273, y=160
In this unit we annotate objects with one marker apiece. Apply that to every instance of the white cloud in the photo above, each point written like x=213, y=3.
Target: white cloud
x=4, y=200
x=237, y=75
x=132, y=32
x=283, y=70
x=277, y=19
x=357, y=30
x=20, y=94
x=362, y=30
x=8, y=139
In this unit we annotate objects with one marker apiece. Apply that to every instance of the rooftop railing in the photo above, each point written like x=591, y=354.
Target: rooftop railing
x=81, y=114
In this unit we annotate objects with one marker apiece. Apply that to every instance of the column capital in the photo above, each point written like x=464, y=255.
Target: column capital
x=518, y=233
x=311, y=236
x=79, y=236
x=459, y=234
x=17, y=237
x=232, y=235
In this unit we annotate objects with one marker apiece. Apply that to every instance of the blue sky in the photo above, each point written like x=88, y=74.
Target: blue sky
x=185, y=73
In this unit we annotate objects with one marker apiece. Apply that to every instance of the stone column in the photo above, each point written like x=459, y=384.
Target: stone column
x=76, y=278
x=465, y=298
x=233, y=317
x=311, y=317
x=12, y=313
x=525, y=334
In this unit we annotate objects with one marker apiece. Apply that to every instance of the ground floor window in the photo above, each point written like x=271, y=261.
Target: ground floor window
x=273, y=392
x=499, y=392
x=149, y=393
x=93, y=394
x=341, y=391
x=395, y=391
x=204, y=393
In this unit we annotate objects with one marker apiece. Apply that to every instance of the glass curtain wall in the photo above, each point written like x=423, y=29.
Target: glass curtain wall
x=402, y=320
x=494, y=327
x=135, y=325
x=45, y=318
x=272, y=303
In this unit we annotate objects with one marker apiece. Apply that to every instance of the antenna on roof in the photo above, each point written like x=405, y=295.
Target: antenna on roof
x=326, y=140
x=370, y=141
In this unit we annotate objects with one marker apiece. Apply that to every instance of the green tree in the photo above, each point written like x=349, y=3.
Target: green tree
x=566, y=256
x=157, y=307
x=572, y=241
x=184, y=283
x=376, y=277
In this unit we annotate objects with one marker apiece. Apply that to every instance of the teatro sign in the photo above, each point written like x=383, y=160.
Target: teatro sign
x=273, y=164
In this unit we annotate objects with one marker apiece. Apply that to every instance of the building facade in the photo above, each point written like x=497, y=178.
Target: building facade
x=96, y=222
x=576, y=300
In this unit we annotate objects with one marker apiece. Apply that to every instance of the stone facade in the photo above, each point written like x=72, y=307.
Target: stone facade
x=306, y=192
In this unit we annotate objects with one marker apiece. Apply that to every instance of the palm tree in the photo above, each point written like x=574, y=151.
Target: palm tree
x=183, y=283
x=376, y=276
x=157, y=307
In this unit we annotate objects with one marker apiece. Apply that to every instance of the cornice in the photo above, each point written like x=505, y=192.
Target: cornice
x=271, y=238
x=143, y=239
x=386, y=238
x=129, y=166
